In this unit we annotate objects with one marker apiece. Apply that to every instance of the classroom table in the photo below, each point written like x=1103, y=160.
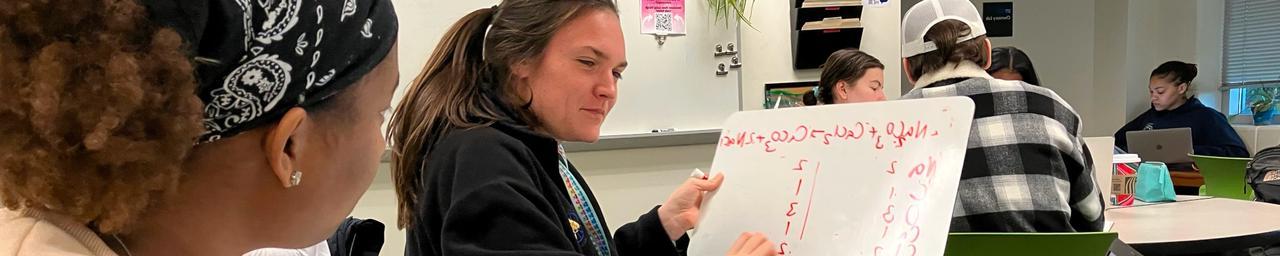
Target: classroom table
x=1196, y=225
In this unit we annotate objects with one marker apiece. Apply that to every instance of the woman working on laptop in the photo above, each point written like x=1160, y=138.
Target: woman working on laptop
x=1171, y=107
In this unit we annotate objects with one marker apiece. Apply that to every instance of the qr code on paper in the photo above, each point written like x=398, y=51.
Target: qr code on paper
x=662, y=21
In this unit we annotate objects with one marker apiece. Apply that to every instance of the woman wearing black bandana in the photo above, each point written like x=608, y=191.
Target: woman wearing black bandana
x=478, y=166
x=165, y=127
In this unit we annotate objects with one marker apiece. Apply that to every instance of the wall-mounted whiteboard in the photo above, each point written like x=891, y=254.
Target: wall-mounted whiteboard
x=852, y=179
x=670, y=86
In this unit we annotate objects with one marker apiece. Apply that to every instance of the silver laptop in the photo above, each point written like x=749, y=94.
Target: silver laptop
x=1163, y=145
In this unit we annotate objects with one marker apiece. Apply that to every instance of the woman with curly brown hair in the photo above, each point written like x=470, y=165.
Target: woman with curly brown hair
x=163, y=127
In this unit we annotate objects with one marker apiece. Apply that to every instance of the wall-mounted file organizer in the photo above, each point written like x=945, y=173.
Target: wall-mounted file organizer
x=821, y=27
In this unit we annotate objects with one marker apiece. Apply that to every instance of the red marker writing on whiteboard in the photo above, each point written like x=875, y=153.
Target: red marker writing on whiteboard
x=698, y=174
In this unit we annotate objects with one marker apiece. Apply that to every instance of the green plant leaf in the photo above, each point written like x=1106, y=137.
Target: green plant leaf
x=728, y=10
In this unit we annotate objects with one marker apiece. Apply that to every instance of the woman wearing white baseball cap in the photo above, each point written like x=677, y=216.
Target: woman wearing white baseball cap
x=1026, y=168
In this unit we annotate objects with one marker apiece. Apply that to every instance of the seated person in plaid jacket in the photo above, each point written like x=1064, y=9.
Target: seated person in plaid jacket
x=1026, y=168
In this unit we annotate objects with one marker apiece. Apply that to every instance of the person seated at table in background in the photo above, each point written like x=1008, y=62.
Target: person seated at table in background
x=1010, y=63
x=850, y=76
x=1173, y=107
x=1026, y=168
x=478, y=165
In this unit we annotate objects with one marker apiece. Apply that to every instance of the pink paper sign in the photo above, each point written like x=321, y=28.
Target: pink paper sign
x=662, y=17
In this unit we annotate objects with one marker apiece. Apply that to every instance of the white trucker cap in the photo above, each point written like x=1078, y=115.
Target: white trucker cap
x=925, y=14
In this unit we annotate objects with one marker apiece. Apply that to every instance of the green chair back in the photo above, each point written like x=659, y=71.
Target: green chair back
x=1041, y=244
x=1224, y=176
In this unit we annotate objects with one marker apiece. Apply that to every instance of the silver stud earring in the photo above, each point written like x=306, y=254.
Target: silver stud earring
x=295, y=178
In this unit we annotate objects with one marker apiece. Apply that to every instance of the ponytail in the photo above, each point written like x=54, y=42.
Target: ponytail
x=1176, y=71
x=471, y=67
x=944, y=35
x=810, y=98
x=847, y=65
x=447, y=92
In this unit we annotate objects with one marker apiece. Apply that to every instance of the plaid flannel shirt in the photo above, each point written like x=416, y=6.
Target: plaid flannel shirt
x=1026, y=168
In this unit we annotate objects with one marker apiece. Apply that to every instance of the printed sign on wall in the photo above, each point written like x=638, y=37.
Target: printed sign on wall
x=998, y=18
x=662, y=17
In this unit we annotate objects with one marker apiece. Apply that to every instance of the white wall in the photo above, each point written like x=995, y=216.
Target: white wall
x=1096, y=54
x=1156, y=31
x=379, y=203
x=1110, y=90
x=630, y=182
x=1210, y=21
x=767, y=48
x=1059, y=37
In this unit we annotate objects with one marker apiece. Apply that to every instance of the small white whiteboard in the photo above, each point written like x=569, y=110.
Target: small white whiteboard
x=870, y=179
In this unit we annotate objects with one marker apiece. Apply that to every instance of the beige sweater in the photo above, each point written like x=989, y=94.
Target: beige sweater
x=32, y=232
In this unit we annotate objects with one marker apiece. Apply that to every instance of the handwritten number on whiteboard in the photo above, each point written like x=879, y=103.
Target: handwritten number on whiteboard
x=918, y=170
x=913, y=215
x=915, y=230
x=782, y=248
x=888, y=214
x=923, y=193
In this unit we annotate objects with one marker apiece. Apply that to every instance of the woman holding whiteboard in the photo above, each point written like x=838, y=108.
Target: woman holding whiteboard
x=478, y=165
x=850, y=76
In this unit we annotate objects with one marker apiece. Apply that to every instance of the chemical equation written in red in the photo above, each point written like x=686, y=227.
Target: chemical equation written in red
x=892, y=134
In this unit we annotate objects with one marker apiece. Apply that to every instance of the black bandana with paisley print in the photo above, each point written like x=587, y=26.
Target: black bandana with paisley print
x=256, y=59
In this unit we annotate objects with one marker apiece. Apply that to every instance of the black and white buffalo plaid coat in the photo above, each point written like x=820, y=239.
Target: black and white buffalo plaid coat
x=1026, y=168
